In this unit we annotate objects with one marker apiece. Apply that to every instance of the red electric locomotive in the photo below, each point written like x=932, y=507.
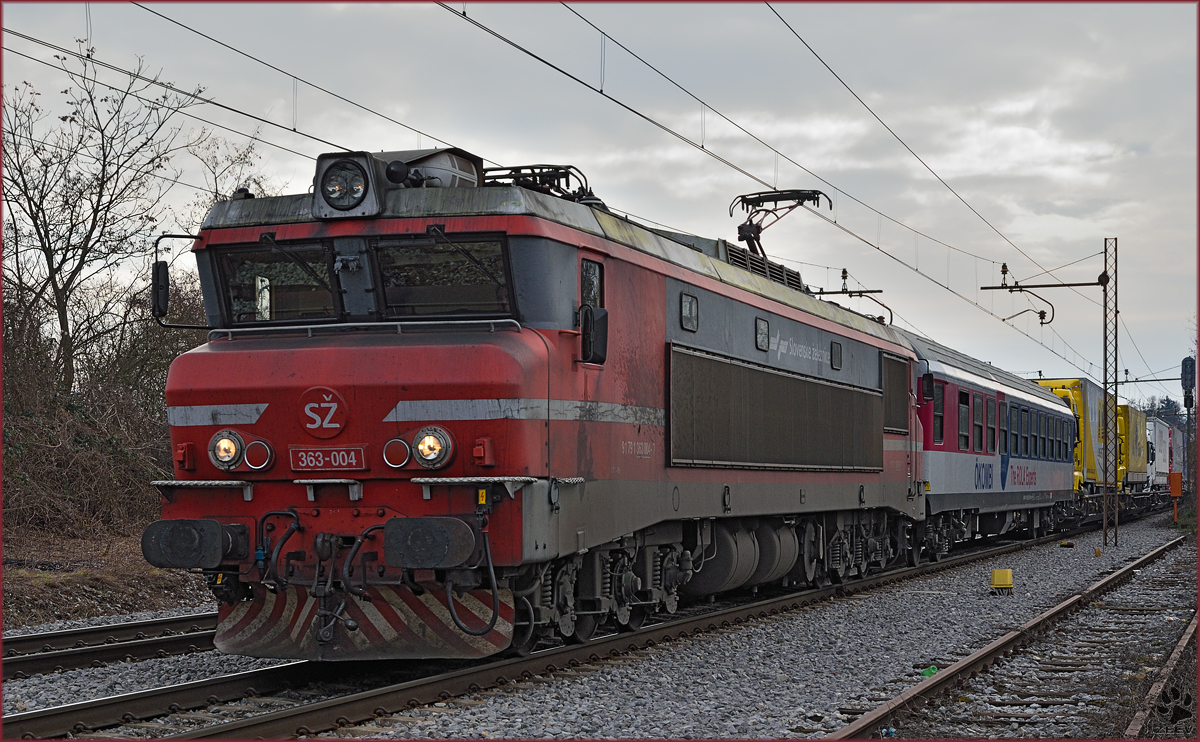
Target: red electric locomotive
x=444, y=411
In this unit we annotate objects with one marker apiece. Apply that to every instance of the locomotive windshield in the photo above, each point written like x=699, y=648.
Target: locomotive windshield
x=267, y=284
x=440, y=278
x=422, y=277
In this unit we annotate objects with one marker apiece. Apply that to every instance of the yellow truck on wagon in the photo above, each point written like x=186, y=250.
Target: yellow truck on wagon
x=1085, y=398
x=1131, y=431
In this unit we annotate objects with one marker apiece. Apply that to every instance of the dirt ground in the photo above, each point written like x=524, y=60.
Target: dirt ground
x=52, y=579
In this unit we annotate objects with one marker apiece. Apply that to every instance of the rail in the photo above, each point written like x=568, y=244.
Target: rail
x=868, y=725
x=92, y=645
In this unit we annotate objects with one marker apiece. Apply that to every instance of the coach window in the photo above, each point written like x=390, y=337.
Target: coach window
x=1004, y=427
x=991, y=425
x=939, y=413
x=835, y=356
x=1024, y=431
x=964, y=421
x=1014, y=430
x=591, y=284
x=1055, y=436
x=1042, y=435
x=979, y=423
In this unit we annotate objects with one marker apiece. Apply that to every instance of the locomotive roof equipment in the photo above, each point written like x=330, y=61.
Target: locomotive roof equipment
x=352, y=184
x=754, y=204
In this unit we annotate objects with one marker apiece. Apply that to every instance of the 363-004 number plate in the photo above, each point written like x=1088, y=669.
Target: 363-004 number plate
x=340, y=458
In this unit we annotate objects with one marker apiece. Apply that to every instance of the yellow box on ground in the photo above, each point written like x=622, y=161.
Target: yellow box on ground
x=1001, y=579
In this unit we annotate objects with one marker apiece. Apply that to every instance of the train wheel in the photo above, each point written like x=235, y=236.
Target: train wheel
x=810, y=549
x=585, y=629
x=911, y=547
x=525, y=637
x=637, y=617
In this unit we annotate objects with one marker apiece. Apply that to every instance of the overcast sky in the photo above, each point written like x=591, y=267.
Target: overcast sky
x=1060, y=124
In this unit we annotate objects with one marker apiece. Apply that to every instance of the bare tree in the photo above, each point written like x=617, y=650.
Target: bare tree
x=226, y=167
x=83, y=195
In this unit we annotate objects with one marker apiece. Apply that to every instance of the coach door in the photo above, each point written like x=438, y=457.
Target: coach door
x=897, y=421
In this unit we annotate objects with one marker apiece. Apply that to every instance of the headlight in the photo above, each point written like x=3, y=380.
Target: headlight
x=225, y=449
x=344, y=185
x=433, y=447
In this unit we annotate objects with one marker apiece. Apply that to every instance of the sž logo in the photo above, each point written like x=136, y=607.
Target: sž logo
x=323, y=412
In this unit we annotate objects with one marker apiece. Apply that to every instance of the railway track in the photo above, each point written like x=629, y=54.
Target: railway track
x=92, y=646
x=173, y=708
x=1028, y=673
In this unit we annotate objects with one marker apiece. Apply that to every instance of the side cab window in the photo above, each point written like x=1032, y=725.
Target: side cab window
x=593, y=317
x=591, y=284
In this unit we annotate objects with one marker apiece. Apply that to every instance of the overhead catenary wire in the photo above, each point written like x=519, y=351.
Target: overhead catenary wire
x=1129, y=335
x=314, y=86
x=706, y=106
x=169, y=87
x=948, y=288
x=67, y=149
x=419, y=132
x=733, y=166
x=253, y=137
x=1066, y=265
x=918, y=157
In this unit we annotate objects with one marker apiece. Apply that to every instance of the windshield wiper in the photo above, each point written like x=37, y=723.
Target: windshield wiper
x=437, y=232
x=269, y=239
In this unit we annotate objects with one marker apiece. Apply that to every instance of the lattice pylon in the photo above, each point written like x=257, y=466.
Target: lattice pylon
x=1108, y=416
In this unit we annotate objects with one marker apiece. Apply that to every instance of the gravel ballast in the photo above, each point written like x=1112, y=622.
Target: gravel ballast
x=79, y=623
x=1085, y=678
x=787, y=676
x=72, y=686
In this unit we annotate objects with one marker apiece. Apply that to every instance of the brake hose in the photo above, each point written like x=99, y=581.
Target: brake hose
x=358, y=542
x=487, y=550
x=273, y=569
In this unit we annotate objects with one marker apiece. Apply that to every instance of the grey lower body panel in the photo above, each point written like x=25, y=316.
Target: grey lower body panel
x=994, y=502
x=597, y=512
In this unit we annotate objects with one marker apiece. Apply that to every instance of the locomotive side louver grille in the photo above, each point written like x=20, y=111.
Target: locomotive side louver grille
x=895, y=394
x=727, y=413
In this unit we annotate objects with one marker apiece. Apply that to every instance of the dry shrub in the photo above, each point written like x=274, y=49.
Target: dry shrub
x=81, y=463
